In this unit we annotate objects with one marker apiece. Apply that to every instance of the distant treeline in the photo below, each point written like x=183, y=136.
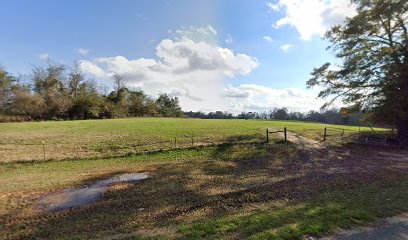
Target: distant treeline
x=61, y=93
x=333, y=116
x=55, y=92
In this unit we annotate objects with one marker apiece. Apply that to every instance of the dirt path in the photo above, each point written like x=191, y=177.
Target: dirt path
x=389, y=229
x=302, y=141
x=393, y=228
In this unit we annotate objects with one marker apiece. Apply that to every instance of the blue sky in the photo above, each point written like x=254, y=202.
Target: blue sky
x=215, y=55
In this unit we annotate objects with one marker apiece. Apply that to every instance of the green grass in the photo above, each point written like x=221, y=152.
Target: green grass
x=50, y=175
x=118, y=137
x=318, y=216
x=212, y=192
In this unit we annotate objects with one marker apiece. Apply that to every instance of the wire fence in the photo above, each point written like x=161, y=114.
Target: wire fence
x=363, y=137
x=337, y=135
x=45, y=150
x=60, y=151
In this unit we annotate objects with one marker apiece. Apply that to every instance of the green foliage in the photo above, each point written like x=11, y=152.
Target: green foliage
x=373, y=47
x=55, y=93
x=169, y=107
x=6, y=88
x=330, y=116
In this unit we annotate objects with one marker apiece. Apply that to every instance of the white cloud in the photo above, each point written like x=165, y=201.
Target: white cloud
x=273, y=7
x=228, y=39
x=190, y=66
x=233, y=92
x=312, y=17
x=83, y=51
x=286, y=47
x=268, y=38
x=179, y=92
x=197, y=71
x=175, y=59
x=253, y=97
x=44, y=56
x=198, y=34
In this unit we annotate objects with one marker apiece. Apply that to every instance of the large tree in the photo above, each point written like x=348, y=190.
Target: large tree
x=49, y=84
x=373, y=74
x=6, y=90
x=169, y=106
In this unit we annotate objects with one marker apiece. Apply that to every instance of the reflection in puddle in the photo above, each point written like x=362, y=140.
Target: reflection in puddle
x=77, y=197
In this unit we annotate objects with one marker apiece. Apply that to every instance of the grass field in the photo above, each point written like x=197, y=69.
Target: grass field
x=274, y=191
x=219, y=192
x=118, y=137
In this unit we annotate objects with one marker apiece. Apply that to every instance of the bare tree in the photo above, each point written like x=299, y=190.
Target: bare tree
x=119, y=82
x=75, y=79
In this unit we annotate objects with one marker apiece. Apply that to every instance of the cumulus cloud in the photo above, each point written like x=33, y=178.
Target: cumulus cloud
x=83, y=51
x=175, y=60
x=286, y=47
x=190, y=66
x=273, y=7
x=268, y=38
x=197, y=34
x=183, y=92
x=312, y=17
x=253, y=97
x=233, y=92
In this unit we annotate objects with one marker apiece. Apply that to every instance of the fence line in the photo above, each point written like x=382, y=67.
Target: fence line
x=59, y=151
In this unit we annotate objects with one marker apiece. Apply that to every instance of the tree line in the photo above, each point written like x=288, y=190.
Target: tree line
x=57, y=92
x=332, y=116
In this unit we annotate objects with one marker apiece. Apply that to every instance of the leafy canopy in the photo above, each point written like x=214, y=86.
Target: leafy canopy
x=373, y=75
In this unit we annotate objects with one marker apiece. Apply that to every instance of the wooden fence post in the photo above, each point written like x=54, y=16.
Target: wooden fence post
x=325, y=133
x=175, y=142
x=342, y=136
x=43, y=145
x=192, y=142
x=267, y=135
x=284, y=130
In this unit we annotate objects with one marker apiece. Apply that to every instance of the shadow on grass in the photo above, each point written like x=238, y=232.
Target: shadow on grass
x=241, y=138
x=240, y=193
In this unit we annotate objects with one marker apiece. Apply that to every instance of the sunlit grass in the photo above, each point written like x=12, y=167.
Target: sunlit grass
x=212, y=192
x=119, y=137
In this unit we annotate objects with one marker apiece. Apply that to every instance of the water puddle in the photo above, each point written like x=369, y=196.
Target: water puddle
x=77, y=197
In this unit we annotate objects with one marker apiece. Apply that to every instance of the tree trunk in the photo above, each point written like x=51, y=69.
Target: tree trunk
x=403, y=133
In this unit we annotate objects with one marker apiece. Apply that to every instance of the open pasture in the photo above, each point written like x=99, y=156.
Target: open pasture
x=119, y=137
x=271, y=191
